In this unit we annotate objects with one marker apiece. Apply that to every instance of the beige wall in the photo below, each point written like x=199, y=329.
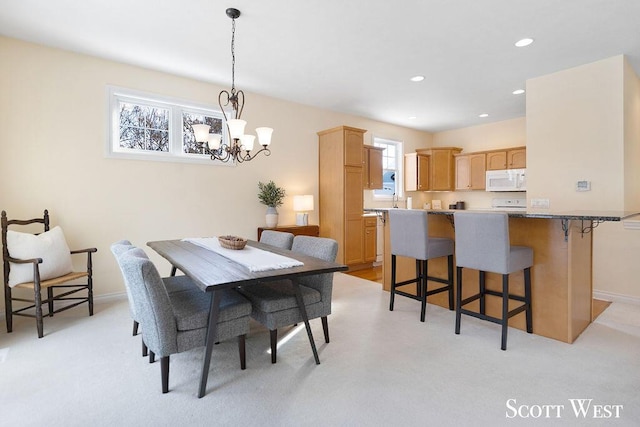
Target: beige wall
x=582, y=124
x=53, y=108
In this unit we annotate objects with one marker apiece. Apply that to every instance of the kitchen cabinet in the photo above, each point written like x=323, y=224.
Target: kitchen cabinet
x=470, y=171
x=517, y=158
x=340, y=201
x=431, y=169
x=372, y=167
x=416, y=172
x=510, y=158
x=370, y=238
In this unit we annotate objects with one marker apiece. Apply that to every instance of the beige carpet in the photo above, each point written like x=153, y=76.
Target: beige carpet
x=381, y=368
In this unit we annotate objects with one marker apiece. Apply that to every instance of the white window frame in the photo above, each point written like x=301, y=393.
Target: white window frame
x=176, y=107
x=377, y=142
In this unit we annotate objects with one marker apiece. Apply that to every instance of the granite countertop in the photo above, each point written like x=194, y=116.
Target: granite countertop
x=588, y=215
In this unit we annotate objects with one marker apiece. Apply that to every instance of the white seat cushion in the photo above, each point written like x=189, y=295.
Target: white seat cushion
x=50, y=246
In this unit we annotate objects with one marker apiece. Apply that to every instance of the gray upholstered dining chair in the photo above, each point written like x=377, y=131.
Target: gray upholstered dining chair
x=274, y=303
x=172, y=284
x=177, y=322
x=279, y=239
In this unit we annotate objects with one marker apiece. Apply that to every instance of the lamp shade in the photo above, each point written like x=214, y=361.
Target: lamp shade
x=264, y=135
x=303, y=203
x=246, y=141
x=214, y=141
x=236, y=128
x=201, y=132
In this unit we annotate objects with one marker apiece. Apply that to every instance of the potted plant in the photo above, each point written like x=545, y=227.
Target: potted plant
x=271, y=195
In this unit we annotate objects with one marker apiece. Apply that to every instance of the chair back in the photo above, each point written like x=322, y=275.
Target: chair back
x=482, y=241
x=117, y=249
x=150, y=301
x=5, y=226
x=324, y=249
x=279, y=239
x=409, y=233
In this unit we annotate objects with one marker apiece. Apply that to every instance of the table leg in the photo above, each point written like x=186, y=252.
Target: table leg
x=303, y=311
x=214, y=311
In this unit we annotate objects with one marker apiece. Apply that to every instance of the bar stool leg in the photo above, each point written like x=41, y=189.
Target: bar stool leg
x=527, y=296
x=422, y=283
x=418, y=278
x=483, y=290
x=450, y=280
x=505, y=310
x=458, y=298
x=393, y=282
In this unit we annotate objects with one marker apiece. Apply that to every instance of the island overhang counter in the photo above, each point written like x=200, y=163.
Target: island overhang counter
x=561, y=276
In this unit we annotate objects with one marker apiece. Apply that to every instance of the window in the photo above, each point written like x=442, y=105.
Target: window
x=391, y=168
x=152, y=127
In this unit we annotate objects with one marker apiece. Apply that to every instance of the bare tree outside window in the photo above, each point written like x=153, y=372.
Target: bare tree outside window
x=189, y=144
x=144, y=127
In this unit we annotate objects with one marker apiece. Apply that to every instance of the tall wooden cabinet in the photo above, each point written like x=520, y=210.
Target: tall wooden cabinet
x=341, y=182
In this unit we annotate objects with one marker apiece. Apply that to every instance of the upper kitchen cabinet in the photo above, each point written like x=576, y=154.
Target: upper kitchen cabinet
x=372, y=167
x=416, y=172
x=340, y=191
x=517, y=158
x=440, y=171
x=510, y=158
x=470, y=171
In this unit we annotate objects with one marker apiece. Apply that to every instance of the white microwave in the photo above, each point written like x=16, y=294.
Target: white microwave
x=506, y=180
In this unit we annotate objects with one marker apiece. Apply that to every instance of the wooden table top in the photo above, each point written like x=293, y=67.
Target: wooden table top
x=210, y=270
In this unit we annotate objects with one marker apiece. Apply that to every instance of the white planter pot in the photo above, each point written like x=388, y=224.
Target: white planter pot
x=272, y=217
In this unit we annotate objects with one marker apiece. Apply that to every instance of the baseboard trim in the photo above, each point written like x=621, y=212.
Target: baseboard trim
x=613, y=297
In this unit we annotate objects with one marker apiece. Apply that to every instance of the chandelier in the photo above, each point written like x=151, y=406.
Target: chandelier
x=239, y=146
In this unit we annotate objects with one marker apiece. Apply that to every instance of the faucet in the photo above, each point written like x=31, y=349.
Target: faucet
x=395, y=200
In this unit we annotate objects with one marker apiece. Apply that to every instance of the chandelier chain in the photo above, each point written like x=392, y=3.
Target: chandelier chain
x=233, y=56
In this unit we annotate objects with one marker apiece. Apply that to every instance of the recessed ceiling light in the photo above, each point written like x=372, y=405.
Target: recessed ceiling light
x=524, y=42
x=412, y=117
x=417, y=78
x=518, y=92
x=483, y=115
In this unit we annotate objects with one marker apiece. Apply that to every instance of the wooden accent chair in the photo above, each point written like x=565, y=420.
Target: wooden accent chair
x=177, y=322
x=41, y=261
x=274, y=303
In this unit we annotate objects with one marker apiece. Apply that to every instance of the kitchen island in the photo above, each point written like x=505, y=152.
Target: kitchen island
x=561, y=274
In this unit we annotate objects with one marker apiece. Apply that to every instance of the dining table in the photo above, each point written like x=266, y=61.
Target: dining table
x=211, y=272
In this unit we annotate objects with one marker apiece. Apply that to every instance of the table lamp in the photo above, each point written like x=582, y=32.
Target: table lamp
x=302, y=205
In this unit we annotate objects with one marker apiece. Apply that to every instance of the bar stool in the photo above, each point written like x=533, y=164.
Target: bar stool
x=409, y=238
x=482, y=243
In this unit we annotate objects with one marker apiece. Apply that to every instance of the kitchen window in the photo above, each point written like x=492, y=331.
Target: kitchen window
x=152, y=127
x=391, y=168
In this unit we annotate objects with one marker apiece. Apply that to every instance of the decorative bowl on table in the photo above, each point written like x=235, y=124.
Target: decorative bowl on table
x=232, y=242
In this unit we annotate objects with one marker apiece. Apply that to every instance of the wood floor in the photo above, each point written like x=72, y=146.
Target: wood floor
x=375, y=275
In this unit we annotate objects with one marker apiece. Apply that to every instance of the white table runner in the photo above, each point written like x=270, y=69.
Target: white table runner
x=253, y=258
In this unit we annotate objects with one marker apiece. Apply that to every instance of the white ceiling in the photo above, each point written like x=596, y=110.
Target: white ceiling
x=349, y=56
